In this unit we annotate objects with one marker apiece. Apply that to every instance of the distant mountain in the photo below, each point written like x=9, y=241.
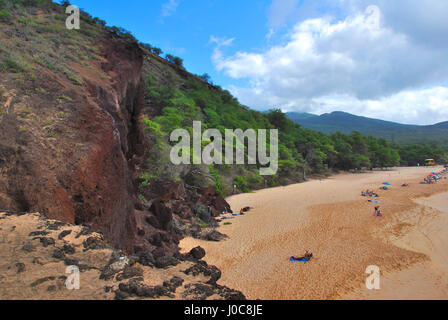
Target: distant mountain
x=346, y=122
x=296, y=116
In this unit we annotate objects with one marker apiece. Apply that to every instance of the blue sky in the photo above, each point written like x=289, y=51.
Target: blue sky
x=376, y=58
x=184, y=28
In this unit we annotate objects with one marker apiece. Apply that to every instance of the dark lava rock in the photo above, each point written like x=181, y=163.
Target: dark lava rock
x=197, y=253
x=139, y=289
x=93, y=243
x=162, y=291
x=173, y=284
x=28, y=247
x=42, y=280
x=146, y=258
x=84, y=232
x=107, y=273
x=38, y=233
x=130, y=272
x=20, y=267
x=108, y=289
x=71, y=262
x=165, y=262
x=63, y=234
x=209, y=271
x=162, y=213
x=215, y=236
x=198, y=291
x=152, y=220
x=158, y=252
x=68, y=249
x=47, y=241
x=121, y=295
x=201, y=291
x=58, y=254
x=230, y=294
x=51, y=288
x=55, y=225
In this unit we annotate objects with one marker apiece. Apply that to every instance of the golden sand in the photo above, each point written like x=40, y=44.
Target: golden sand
x=330, y=218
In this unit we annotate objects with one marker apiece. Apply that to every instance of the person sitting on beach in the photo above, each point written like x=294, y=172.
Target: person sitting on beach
x=363, y=193
x=377, y=212
x=405, y=185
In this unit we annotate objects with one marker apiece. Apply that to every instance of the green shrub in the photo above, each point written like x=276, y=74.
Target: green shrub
x=73, y=78
x=5, y=15
x=12, y=65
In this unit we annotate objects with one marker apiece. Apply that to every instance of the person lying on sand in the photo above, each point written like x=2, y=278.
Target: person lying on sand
x=307, y=256
x=405, y=185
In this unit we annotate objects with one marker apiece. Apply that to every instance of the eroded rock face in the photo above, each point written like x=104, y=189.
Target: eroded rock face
x=87, y=174
x=84, y=174
x=158, y=227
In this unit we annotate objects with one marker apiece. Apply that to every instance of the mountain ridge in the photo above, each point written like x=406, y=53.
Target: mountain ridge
x=345, y=122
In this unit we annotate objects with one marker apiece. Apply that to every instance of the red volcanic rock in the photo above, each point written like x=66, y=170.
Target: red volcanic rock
x=86, y=174
x=83, y=175
x=211, y=198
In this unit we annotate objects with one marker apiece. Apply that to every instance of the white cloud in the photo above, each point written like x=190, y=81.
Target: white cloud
x=169, y=7
x=367, y=63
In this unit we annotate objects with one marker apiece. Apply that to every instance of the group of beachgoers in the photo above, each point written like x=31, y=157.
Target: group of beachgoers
x=373, y=194
x=435, y=177
x=369, y=193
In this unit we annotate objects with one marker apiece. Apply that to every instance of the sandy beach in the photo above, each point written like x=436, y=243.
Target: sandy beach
x=330, y=218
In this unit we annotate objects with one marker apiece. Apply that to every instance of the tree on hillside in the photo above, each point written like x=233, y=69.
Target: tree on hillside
x=157, y=51
x=174, y=60
x=206, y=77
x=278, y=119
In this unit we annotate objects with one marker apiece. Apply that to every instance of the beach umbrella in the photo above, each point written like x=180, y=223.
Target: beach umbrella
x=434, y=173
x=386, y=183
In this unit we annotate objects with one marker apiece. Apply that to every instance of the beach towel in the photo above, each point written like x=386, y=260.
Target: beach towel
x=299, y=260
x=373, y=201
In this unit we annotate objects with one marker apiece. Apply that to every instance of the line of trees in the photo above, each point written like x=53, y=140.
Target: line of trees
x=301, y=151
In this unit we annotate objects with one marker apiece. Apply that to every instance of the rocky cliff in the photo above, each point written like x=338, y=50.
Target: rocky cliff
x=72, y=144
